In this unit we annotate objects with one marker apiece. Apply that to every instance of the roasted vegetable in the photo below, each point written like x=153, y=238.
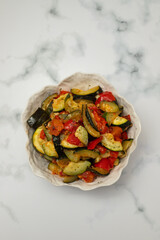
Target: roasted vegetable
x=94, y=90
x=46, y=103
x=58, y=103
x=109, y=142
x=87, y=125
x=49, y=149
x=76, y=168
x=37, y=141
x=37, y=118
x=108, y=106
x=122, y=122
x=70, y=105
x=82, y=135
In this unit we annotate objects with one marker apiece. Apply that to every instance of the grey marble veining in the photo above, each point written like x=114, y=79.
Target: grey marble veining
x=43, y=42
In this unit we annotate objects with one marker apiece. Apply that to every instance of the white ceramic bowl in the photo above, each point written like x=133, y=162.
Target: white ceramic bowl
x=82, y=81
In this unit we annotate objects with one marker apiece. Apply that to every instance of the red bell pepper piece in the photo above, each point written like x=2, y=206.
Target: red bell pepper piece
x=72, y=139
x=105, y=96
x=124, y=136
x=101, y=122
x=42, y=134
x=106, y=163
x=101, y=149
x=117, y=139
x=55, y=126
x=114, y=154
x=116, y=131
x=87, y=176
x=94, y=143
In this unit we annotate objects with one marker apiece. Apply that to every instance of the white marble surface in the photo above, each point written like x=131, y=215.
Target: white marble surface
x=42, y=42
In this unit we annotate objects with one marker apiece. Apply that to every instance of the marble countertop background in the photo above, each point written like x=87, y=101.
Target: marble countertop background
x=42, y=42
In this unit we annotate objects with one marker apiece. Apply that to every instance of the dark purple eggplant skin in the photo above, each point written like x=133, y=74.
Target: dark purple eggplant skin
x=38, y=118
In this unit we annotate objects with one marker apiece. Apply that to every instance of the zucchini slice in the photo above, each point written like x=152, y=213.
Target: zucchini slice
x=48, y=158
x=37, y=118
x=109, y=142
x=122, y=122
x=37, y=141
x=76, y=168
x=94, y=90
x=72, y=155
x=90, y=118
x=110, y=116
x=48, y=100
x=86, y=154
x=75, y=115
x=69, y=179
x=48, y=135
x=87, y=125
x=70, y=105
x=58, y=103
x=49, y=149
x=99, y=171
x=126, y=144
x=82, y=135
x=108, y=106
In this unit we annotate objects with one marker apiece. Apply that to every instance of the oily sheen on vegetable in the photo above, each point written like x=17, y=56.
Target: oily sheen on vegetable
x=82, y=134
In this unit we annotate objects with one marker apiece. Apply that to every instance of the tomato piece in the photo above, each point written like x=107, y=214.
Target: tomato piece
x=101, y=122
x=72, y=139
x=55, y=126
x=42, y=134
x=63, y=92
x=87, y=176
x=106, y=163
x=116, y=131
x=70, y=125
x=94, y=143
x=101, y=149
x=124, y=135
x=114, y=154
x=105, y=96
x=128, y=117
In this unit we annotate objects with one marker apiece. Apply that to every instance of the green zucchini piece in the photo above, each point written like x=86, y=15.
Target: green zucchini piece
x=58, y=103
x=48, y=135
x=109, y=142
x=75, y=115
x=37, y=141
x=70, y=105
x=82, y=135
x=108, y=106
x=54, y=168
x=87, y=125
x=90, y=118
x=37, y=118
x=122, y=122
x=116, y=162
x=49, y=149
x=110, y=116
x=76, y=168
x=70, y=179
x=48, y=100
x=94, y=90
x=47, y=157
x=86, y=154
x=99, y=171
x=126, y=144
x=72, y=155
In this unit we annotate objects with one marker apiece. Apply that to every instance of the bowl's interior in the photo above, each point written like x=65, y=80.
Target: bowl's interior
x=82, y=81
